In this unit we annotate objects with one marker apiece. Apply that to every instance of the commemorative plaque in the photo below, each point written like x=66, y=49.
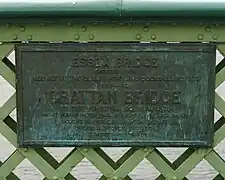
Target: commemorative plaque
x=115, y=94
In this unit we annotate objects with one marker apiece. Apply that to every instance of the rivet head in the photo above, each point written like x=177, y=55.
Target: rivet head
x=15, y=37
x=145, y=28
x=200, y=37
x=115, y=178
x=84, y=28
x=145, y=149
x=29, y=37
x=76, y=37
x=215, y=37
x=138, y=36
x=91, y=37
x=69, y=24
x=153, y=37
x=22, y=28
x=55, y=178
x=208, y=29
x=174, y=178
x=26, y=150
x=85, y=150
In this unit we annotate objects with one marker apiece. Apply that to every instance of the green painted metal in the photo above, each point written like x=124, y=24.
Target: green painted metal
x=126, y=32
x=111, y=8
x=44, y=161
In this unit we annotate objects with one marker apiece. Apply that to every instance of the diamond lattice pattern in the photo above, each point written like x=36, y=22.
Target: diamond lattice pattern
x=48, y=165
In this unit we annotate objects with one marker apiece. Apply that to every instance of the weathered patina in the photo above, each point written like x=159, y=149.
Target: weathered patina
x=115, y=94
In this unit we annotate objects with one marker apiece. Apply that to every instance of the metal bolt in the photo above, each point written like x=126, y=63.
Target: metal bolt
x=208, y=29
x=55, y=178
x=91, y=37
x=215, y=37
x=85, y=150
x=29, y=37
x=115, y=178
x=22, y=28
x=26, y=150
x=15, y=37
x=153, y=37
x=76, y=37
x=174, y=178
x=145, y=149
x=200, y=37
x=69, y=24
x=145, y=28
x=138, y=36
x=83, y=28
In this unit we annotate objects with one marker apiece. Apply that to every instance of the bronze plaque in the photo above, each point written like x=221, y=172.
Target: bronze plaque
x=115, y=94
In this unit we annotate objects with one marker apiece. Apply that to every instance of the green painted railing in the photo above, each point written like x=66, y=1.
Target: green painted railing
x=112, y=8
x=77, y=30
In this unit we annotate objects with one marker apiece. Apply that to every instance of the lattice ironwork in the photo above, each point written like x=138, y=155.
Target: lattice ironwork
x=110, y=170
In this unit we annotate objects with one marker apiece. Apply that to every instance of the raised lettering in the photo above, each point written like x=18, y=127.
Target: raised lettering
x=176, y=97
x=128, y=97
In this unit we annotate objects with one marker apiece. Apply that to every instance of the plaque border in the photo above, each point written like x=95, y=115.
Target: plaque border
x=20, y=48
